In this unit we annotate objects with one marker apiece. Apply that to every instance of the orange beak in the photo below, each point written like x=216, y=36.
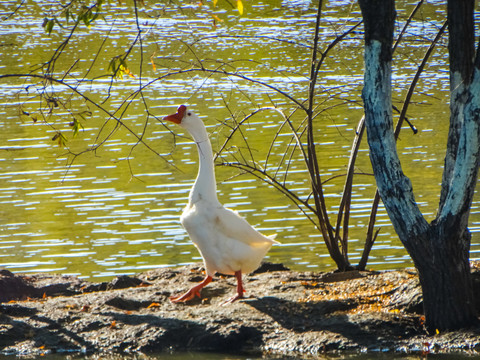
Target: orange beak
x=178, y=116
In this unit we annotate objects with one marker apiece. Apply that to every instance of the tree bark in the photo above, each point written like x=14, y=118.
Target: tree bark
x=461, y=49
x=394, y=187
x=440, y=250
x=444, y=273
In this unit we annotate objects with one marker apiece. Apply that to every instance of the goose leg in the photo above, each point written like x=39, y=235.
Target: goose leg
x=194, y=291
x=240, y=290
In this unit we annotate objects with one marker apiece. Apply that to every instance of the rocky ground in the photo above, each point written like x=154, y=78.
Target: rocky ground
x=284, y=312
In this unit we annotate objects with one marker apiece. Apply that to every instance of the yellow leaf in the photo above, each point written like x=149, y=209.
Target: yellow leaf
x=215, y=3
x=126, y=71
x=437, y=331
x=240, y=7
x=216, y=18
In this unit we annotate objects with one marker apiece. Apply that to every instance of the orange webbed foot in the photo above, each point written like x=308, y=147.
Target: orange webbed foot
x=240, y=290
x=192, y=293
x=189, y=295
x=232, y=299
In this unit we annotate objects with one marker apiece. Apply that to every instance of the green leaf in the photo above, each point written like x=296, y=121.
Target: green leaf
x=112, y=66
x=48, y=25
x=61, y=140
x=76, y=126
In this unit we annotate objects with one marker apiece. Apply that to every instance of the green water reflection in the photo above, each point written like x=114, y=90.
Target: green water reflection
x=115, y=210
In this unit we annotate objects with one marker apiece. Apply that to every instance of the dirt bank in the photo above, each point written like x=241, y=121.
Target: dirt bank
x=285, y=312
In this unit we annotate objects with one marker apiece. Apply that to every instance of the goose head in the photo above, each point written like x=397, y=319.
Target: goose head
x=187, y=120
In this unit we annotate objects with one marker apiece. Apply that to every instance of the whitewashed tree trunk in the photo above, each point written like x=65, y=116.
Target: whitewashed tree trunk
x=440, y=250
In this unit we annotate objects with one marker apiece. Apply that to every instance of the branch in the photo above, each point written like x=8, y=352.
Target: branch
x=110, y=115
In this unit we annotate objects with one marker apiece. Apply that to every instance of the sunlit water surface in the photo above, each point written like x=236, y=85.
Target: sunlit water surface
x=116, y=211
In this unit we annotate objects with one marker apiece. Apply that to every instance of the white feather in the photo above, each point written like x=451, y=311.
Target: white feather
x=226, y=241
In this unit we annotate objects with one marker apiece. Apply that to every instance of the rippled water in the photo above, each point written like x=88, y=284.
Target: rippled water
x=115, y=211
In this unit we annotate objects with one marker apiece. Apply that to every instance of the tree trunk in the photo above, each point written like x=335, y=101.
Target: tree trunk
x=444, y=273
x=440, y=250
x=461, y=47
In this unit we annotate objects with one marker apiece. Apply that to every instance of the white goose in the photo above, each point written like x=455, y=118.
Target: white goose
x=227, y=242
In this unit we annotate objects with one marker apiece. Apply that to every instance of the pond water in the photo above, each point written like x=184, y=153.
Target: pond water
x=97, y=214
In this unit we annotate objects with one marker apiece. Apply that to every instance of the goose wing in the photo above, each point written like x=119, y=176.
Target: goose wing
x=233, y=226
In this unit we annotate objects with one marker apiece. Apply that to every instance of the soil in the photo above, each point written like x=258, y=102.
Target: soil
x=284, y=312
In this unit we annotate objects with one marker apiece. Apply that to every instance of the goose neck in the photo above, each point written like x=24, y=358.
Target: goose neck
x=205, y=185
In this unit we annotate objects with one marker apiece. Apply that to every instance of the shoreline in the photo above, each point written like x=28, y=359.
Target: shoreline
x=284, y=313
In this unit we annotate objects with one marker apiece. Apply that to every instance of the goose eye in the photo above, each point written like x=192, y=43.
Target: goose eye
x=189, y=114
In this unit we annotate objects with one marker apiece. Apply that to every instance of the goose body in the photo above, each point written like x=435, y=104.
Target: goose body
x=227, y=242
